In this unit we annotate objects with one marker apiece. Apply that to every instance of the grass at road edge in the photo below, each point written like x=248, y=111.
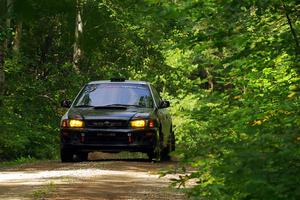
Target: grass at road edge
x=43, y=192
x=20, y=161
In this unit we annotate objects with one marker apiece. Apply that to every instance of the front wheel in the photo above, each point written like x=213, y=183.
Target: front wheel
x=66, y=155
x=165, y=154
x=169, y=148
x=82, y=156
x=151, y=155
x=158, y=153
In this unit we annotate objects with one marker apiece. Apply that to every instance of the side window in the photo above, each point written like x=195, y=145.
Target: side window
x=156, y=96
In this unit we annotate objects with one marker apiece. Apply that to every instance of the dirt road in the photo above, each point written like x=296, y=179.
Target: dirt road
x=100, y=179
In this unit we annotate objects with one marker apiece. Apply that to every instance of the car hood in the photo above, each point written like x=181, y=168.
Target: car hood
x=109, y=113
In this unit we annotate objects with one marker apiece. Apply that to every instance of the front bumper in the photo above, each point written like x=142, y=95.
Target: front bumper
x=88, y=139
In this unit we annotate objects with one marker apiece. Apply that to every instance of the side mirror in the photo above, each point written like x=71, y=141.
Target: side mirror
x=164, y=104
x=66, y=103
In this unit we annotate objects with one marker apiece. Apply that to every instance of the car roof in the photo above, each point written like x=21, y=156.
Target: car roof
x=126, y=81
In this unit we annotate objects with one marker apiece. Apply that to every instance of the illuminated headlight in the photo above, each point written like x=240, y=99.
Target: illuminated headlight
x=73, y=123
x=76, y=123
x=138, y=123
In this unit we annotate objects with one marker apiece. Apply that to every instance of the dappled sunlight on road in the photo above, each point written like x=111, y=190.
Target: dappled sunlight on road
x=99, y=180
x=29, y=176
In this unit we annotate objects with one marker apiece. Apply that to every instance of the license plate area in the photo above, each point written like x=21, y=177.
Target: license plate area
x=106, y=134
x=106, y=138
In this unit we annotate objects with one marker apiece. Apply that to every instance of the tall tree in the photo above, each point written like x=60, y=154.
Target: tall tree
x=17, y=37
x=293, y=31
x=77, y=54
x=7, y=7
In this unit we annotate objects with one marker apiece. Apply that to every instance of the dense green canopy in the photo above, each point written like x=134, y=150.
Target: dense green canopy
x=230, y=68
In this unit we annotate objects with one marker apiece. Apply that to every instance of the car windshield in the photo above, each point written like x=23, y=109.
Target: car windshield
x=115, y=94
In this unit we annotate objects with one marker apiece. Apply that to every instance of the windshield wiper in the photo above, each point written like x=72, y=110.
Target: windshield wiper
x=83, y=106
x=123, y=105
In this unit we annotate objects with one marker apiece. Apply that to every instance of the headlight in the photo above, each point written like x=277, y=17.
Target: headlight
x=76, y=123
x=73, y=123
x=138, y=123
x=142, y=123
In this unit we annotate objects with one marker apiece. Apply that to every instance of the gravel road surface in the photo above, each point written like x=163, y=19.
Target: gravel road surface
x=98, y=179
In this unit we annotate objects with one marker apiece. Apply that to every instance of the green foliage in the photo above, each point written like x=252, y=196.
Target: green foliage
x=241, y=131
x=44, y=192
x=18, y=161
x=244, y=147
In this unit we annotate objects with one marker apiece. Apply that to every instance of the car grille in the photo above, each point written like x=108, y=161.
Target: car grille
x=111, y=124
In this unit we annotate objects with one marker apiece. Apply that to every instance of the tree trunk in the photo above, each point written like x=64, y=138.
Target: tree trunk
x=293, y=31
x=9, y=7
x=4, y=46
x=17, y=37
x=209, y=79
x=78, y=31
x=2, y=75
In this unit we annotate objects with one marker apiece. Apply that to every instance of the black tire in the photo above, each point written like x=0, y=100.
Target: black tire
x=165, y=154
x=170, y=147
x=66, y=155
x=82, y=156
x=151, y=155
x=156, y=153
